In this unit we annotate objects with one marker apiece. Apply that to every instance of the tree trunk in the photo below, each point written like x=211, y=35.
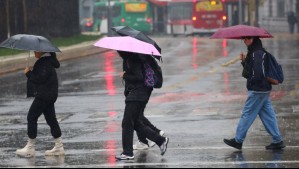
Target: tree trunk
x=7, y=18
x=25, y=16
x=297, y=13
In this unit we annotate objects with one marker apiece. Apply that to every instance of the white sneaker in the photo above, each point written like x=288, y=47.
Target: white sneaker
x=57, y=150
x=140, y=146
x=152, y=144
x=28, y=150
x=124, y=157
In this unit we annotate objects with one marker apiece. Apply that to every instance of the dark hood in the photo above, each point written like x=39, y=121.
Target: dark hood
x=256, y=45
x=54, y=61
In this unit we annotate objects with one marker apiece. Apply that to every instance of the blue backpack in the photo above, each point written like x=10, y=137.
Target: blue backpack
x=274, y=73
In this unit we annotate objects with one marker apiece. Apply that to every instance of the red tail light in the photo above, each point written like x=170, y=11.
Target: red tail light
x=123, y=20
x=194, y=18
x=224, y=18
x=88, y=24
x=149, y=20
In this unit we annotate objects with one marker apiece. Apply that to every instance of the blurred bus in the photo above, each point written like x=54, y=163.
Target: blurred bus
x=196, y=16
x=135, y=14
x=208, y=15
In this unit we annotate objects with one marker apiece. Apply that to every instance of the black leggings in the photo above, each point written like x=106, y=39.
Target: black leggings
x=38, y=108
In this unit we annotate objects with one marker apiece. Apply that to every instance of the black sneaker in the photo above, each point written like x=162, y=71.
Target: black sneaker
x=163, y=147
x=275, y=146
x=233, y=143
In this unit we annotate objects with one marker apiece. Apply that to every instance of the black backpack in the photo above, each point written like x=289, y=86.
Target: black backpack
x=153, y=76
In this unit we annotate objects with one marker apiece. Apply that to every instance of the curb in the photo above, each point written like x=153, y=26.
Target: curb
x=17, y=63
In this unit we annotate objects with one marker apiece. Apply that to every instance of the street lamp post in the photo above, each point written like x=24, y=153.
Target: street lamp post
x=257, y=4
x=7, y=18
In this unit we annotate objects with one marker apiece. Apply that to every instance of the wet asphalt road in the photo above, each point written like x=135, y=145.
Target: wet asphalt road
x=199, y=105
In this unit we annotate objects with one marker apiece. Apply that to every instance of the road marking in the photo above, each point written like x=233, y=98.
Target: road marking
x=203, y=163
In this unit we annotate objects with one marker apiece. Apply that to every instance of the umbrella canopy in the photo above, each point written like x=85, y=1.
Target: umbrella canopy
x=127, y=31
x=240, y=31
x=127, y=44
x=30, y=43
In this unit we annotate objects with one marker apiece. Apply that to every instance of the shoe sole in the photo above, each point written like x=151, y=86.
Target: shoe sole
x=167, y=141
x=29, y=155
x=228, y=143
x=124, y=159
x=54, y=154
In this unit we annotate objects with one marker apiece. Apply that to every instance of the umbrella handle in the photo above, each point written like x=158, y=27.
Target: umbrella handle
x=28, y=60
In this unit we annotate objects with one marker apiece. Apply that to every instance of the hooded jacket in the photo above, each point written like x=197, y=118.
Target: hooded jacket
x=135, y=89
x=42, y=80
x=257, y=65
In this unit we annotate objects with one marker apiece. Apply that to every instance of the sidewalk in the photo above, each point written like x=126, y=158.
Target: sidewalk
x=9, y=64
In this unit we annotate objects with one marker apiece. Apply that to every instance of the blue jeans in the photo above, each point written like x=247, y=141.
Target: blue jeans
x=258, y=104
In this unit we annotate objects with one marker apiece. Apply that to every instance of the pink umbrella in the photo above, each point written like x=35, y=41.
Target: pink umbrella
x=240, y=31
x=127, y=44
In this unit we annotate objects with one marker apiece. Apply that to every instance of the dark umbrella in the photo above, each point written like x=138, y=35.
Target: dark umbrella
x=127, y=31
x=30, y=43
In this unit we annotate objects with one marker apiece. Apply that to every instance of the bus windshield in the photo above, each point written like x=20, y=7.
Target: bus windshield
x=209, y=6
x=101, y=11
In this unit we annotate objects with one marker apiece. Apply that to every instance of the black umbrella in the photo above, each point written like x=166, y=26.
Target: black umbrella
x=30, y=43
x=127, y=31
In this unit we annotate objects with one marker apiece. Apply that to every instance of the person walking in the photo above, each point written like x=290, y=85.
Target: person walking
x=136, y=99
x=143, y=143
x=43, y=85
x=292, y=20
x=258, y=102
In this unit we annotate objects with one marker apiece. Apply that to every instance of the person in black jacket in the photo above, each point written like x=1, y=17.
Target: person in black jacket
x=258, y=102
x=43, y=85
x=136, y=98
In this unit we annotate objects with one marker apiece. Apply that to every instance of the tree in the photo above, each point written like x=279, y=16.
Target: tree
x=297, y=13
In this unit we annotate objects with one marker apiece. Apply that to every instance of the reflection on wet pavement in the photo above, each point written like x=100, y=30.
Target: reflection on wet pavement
x=199, y=105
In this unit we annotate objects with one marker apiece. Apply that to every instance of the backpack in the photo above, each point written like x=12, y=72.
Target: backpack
x=274, y=73
x=153, y=77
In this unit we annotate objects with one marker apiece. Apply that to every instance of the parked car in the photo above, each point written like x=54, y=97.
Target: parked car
x=87, y=25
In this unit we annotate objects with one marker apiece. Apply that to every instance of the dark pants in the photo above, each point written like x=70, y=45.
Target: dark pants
x=292, y=28
x=131, y=122
x=38, y=108
x=141, y=136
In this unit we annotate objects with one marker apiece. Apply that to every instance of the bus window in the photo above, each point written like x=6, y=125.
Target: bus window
x=209, y=6
x=180, y=11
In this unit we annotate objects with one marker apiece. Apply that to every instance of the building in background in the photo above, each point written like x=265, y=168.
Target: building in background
x=273, y=14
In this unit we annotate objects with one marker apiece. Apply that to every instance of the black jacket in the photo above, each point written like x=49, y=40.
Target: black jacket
x=135, y=89
x=42, y=80
x=257, y=68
